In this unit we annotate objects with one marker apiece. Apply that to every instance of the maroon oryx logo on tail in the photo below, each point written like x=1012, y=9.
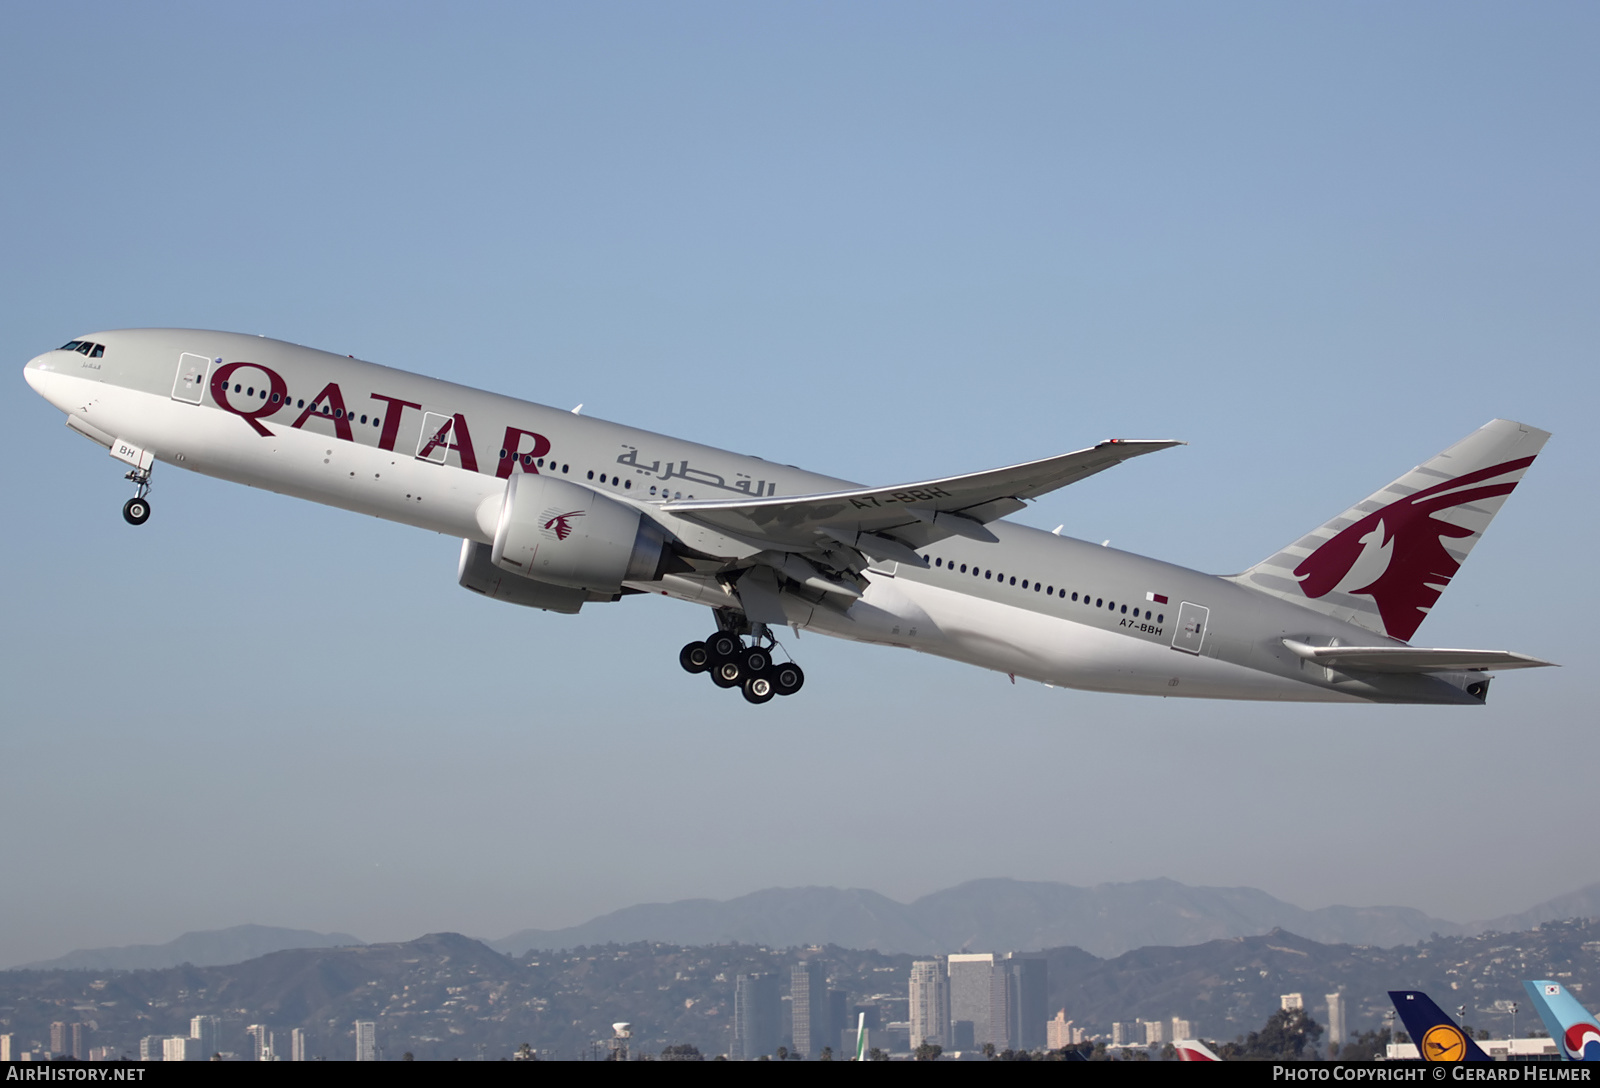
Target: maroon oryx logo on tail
x=1418, y=566
x=560, y=526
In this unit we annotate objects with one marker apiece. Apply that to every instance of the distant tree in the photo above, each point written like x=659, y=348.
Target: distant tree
x=1366, y=1047
x=1284, y=1037
x=1169, y=1053
x=783, y=1053
x=928, y=1052
x=525, y=1053
x=988, y=1051
x=682, y=1052
x=876, y=1055
x=826, y=1055
x=407, y=1057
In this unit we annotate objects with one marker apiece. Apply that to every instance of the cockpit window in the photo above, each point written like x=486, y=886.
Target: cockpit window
x=70, y=345
x=99, y=350
x=83, y=348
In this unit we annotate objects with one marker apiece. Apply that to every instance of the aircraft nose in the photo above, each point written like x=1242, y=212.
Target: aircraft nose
x=34, y=371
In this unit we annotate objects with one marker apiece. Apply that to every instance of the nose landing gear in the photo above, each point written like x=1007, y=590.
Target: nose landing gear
x=136, y=511
x=732, y=664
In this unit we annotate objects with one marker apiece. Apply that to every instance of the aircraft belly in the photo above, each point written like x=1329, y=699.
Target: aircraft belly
x=1057, y=651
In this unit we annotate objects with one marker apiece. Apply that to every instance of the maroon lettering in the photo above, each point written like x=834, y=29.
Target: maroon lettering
x=391, y=419
x=511, y=452
x=455, y=436
x=336, y=414
x=270, y=400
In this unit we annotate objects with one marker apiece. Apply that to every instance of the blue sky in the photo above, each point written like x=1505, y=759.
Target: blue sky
x=886, y=242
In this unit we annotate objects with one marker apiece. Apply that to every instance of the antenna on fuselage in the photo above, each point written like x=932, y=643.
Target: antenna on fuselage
x=578, y=410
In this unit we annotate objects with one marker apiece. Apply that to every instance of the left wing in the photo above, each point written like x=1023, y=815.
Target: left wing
x=892, y=522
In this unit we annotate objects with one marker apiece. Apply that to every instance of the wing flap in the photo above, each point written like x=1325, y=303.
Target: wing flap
x=1404, y=659
x=927, y=511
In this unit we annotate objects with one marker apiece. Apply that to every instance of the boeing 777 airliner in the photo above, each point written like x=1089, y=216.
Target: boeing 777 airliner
x=557, y=510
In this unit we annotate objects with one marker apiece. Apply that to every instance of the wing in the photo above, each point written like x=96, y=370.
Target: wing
x=1412, y=658
x=892, y=522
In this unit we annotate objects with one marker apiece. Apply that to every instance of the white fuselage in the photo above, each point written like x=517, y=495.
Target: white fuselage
x=436, y=455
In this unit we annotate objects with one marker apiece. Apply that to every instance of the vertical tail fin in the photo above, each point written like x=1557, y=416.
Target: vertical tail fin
x=1568, y=1022
x=1383, y=562
x=1193, y=1050
x=1438, y=1038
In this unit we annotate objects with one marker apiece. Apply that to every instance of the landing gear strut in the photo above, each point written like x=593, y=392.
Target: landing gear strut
x=136, y=511
x=733, y=664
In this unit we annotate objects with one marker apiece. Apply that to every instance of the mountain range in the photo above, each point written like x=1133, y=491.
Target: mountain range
x=1106, y=920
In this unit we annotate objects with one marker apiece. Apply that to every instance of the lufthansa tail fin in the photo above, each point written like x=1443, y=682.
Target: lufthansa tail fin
x=1568, y=1022
x=1438, y=1038
x=1383, y=562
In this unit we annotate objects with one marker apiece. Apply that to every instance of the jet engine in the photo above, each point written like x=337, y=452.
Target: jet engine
x=565, y=534
x=481, y=576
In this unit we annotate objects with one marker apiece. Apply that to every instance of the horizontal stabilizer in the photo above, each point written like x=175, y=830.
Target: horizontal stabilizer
x=915, y=514
x=1412, y=658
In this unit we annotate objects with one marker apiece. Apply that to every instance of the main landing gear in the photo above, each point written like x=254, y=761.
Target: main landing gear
x=732, y=664
x=136, y=511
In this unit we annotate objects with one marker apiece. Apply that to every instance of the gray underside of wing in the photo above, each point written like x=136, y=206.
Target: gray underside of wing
x=912, y=515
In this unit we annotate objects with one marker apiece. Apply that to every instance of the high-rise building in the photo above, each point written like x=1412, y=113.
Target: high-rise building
x=1155, y=1032
x=151, y=1048
x=930, y=1004
x=8, y=1051
x=1182, y=1029
x=1335, y=1019
x=260, y=1043
x=808, y=1007
x=60, y=1038
x=1290, y=1002
x=207, y=1030
x=972, y=994
x=755, y=1016
x=297, y=1045
x=1058, y=1032
x=1026, y=984
x=80, y=1041
x=366, y=1040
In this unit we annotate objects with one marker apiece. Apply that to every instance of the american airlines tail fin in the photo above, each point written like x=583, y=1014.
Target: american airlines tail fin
x=1438, y=1038
x=1383, y=563
x=1568, y=1022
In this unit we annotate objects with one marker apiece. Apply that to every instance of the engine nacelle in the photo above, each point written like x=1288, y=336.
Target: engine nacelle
x=478, y=574
x=569, y=535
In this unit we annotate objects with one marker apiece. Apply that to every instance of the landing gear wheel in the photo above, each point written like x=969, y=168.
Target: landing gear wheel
x=136, y=511
x=787, y=678
x=723, y=646
x=758, y=689
x=727, y=674
x=756, y=661
x=695, y=657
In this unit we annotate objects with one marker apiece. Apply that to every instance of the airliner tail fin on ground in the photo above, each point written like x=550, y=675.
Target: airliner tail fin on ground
x=1193, y=1050
x=1568, y=1022
x=1438, y=1037
x=1382, y=563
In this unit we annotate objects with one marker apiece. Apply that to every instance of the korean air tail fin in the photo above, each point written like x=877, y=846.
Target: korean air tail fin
x=1437, y=1036
x=1568, y=1022
x=1383, y=563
